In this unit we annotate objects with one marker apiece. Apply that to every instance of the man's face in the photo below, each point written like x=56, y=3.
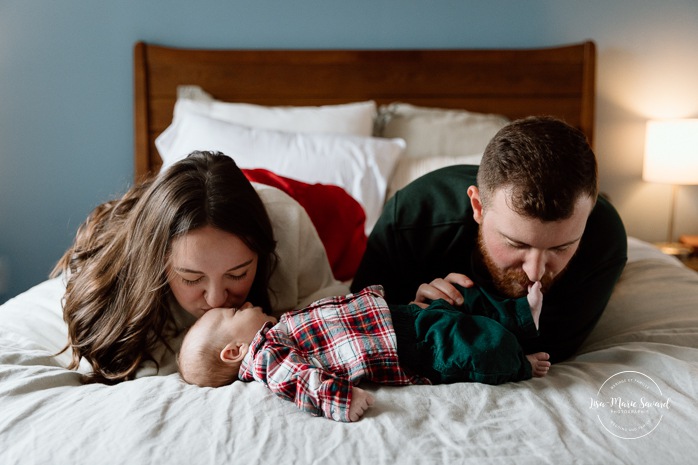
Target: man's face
x=518, y=250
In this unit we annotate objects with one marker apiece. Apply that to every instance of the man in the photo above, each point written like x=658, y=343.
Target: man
x=529, y=213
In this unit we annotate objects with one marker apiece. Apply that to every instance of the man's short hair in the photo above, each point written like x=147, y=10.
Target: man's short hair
x=546, y=165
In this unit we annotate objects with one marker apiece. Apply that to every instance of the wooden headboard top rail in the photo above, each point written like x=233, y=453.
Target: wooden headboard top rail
x=557, y=81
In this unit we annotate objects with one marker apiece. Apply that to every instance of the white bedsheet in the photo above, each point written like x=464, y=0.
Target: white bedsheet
x=650, y=330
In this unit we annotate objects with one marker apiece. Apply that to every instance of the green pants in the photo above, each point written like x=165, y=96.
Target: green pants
x=448, y=345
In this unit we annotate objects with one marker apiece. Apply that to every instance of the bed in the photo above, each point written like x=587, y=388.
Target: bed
x=628, y=396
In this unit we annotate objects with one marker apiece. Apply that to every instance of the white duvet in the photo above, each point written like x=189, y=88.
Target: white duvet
x=645, y=349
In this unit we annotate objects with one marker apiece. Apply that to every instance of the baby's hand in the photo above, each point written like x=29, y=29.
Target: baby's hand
x=360, y=402
x=535, y=301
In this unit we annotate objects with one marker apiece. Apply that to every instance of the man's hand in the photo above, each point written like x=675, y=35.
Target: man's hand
x=442, y=288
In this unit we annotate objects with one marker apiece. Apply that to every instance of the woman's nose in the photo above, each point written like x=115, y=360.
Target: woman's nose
x=216, y=296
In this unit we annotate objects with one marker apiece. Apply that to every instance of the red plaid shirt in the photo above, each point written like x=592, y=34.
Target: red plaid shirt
x=313, y=356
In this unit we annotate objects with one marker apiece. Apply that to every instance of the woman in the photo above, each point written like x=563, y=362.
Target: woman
x=143, y=268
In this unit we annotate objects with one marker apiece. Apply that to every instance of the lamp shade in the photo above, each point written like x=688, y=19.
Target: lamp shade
x=671, y=151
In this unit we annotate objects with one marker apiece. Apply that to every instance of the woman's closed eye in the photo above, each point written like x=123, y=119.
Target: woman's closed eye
x=237, y=277
x=191, y=282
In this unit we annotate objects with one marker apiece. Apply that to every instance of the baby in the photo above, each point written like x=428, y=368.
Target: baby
x=316, y=356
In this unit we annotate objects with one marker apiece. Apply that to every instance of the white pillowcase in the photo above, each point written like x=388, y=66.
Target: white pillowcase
x=351, y=118
x=362, y=166
x=438, y=131
x=408, y=169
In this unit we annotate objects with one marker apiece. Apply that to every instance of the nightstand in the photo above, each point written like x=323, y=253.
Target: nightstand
x=692, y=260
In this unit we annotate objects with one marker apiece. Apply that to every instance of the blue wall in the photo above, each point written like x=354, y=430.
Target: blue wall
x=66, y=84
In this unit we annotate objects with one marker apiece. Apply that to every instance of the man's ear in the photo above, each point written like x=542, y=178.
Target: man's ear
x=234, y=352
x=476, y=203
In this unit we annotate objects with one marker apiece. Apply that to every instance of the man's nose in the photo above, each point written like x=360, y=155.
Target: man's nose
x=534, y=265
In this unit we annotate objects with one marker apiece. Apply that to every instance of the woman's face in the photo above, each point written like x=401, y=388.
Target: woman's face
x=210, y=268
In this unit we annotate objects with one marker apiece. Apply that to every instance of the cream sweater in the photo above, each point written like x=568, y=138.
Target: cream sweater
x=303, y=273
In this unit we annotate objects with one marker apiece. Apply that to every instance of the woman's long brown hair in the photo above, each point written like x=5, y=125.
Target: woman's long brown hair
x=116, y=297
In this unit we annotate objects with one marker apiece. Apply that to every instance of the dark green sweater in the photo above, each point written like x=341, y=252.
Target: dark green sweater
x=427, y=231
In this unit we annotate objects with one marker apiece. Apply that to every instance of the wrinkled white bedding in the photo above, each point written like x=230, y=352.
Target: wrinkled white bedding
x=650, y=328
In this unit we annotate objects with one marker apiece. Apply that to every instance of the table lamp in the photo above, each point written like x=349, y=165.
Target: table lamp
x=671, y=157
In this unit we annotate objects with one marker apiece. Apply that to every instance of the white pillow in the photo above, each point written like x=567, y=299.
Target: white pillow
x=351, y=118
x=436, y=131
x=409, y=169
x=362, y=166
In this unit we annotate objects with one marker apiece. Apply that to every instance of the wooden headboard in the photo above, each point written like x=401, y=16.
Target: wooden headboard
x=557, y=81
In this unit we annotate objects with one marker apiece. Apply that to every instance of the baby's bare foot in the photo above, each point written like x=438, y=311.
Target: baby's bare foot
x=360, y=402
x=535, y=301
x=539, y=364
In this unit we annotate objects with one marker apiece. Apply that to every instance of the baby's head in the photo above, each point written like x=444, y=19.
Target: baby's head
x=214, y=347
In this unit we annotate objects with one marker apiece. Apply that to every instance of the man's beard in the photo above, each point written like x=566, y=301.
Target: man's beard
x=511, y=282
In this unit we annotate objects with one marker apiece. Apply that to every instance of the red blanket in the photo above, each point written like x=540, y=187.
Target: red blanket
x=337, y=216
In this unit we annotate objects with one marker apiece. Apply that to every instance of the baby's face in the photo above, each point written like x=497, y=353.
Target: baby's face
x=236, y=324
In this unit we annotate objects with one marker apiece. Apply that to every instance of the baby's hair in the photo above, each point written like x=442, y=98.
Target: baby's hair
x=199, y=362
